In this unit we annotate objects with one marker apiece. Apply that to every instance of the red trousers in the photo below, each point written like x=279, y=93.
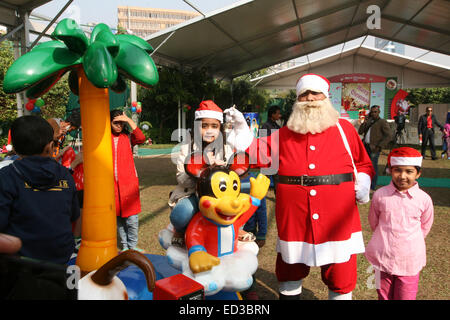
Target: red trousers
x=338, y=277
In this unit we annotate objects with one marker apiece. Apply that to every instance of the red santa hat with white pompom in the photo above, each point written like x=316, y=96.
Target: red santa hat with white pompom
x=404, y=156
x=208, y=109
x=313, y=82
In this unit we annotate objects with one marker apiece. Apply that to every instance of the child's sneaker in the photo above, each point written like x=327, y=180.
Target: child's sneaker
x=139, y=250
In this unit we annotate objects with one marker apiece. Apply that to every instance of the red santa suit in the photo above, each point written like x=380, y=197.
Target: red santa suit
x=203, y=234
x=317, y=225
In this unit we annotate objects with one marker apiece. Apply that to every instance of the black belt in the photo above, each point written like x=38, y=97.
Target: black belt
x=316, y=180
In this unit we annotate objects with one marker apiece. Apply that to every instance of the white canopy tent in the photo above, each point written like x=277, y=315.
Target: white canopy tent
x=410, y=72
x=251, y=35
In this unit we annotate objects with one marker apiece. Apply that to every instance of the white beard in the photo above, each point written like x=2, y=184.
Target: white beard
x=312, y=116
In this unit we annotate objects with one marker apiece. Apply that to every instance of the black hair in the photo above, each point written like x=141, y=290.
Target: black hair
x=30, y=134
x=117, y=112
x=272, y=109
x=74, y=119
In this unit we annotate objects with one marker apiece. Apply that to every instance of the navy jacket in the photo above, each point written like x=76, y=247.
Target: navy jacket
x=38, y=204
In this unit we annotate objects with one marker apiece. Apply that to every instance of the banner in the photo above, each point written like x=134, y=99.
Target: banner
x=355, y=96
x=252, y=122
x=399, y=103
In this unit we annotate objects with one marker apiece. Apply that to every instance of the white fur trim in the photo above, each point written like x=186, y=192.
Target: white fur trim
x=9, y=148
x=290, y=288
x=200, y=114
x=314, y=83
x=406, y=161
x=315, y=255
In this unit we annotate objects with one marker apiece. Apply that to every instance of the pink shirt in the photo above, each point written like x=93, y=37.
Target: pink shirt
x=400, y=221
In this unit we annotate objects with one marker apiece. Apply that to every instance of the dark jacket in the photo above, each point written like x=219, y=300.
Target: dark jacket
x=38, y=204
x=270, y=127
x=422, y=126
x=380, y=133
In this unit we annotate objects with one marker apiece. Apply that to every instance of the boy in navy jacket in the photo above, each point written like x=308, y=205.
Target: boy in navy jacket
x=38, y=201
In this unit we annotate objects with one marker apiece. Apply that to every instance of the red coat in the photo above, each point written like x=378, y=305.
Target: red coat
x=126, y=182
x=317, y=225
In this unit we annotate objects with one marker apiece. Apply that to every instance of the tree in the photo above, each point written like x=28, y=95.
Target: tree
x=428, y=95
x=8, y=106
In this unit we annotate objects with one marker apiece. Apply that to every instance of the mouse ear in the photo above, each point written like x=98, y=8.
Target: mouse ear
x=239, y=163
x=195, y=164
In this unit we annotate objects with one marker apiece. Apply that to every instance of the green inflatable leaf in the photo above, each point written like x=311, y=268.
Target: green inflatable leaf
x=120, y=85
x=36, y=65
x=71, y=34
x=45, y=85
x=73, y=82
x=109, y=41
x=136, y=65
x=99, y=66
x=139, y=42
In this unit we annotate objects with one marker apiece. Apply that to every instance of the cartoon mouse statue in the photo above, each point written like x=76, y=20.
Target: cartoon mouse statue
x=213, y=256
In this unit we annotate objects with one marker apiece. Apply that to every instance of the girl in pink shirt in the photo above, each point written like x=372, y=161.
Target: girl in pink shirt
x=400, y=216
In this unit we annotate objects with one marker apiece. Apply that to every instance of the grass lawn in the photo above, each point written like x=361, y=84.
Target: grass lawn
x=157, y=179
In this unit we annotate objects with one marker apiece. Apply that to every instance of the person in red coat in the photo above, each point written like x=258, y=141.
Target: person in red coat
x=323, y=170
x=126, y=182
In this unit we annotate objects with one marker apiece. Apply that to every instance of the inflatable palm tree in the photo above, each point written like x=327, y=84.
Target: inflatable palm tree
x=95, y=65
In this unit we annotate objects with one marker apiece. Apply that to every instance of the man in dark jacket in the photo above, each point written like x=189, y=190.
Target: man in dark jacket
x=273, y=115
x=426, y=131
x=377, y=135
x=38, y=201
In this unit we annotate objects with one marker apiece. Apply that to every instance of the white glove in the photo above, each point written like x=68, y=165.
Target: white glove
x=240, y=137
x=362, y=187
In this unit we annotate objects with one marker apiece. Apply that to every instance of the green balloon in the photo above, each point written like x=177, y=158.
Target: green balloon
x=39, y=103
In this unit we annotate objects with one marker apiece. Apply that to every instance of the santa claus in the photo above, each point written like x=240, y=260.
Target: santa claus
x=323, y=171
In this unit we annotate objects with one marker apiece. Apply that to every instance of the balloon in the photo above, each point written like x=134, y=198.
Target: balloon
x=139, y=104
x=134, y=104
x=36, y=109
x=68, y=157
x=138, y=110
x=133, y=109
x=145, y=127
x=29, y=106
x=39, y=103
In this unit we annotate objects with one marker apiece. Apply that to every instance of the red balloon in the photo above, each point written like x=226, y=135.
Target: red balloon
x=29, y=106
x=68, y=157
x=138, y=110
x=134, y=103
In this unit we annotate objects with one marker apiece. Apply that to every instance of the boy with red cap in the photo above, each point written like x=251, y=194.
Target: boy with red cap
x=323, y=170
x=400, y=217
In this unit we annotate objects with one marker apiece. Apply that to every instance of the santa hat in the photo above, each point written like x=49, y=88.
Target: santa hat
x=208, y=109
x=313, y=82
x=404, y=156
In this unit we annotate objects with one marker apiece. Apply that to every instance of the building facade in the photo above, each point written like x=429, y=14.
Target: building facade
x=145, y=21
